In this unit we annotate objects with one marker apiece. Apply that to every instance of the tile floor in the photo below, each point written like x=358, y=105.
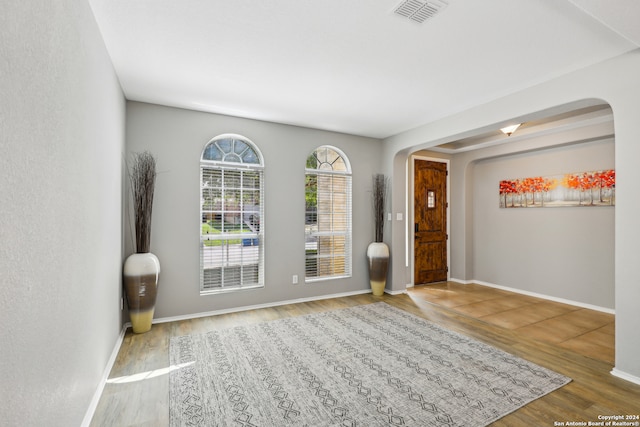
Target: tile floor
x=588, y=332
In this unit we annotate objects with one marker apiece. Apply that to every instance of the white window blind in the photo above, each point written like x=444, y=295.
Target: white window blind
x=327, y=215
x=231, y=234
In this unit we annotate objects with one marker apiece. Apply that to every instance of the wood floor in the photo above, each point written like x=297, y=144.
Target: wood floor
x=578, y=344
x=588, y=332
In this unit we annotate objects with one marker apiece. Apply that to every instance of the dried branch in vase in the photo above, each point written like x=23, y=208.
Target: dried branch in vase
x=379, y=196
x=142, y=178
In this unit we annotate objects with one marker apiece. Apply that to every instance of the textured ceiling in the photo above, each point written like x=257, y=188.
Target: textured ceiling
x=352, y=66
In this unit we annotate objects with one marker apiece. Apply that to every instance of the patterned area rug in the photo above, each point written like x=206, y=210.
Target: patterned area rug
x=370, y=365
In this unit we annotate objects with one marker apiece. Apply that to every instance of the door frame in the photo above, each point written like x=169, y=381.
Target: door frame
x=411, y=209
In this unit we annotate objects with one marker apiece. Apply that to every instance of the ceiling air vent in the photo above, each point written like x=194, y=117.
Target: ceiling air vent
x=419, y=10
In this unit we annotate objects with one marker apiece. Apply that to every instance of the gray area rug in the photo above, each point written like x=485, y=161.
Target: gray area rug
x=370, y=365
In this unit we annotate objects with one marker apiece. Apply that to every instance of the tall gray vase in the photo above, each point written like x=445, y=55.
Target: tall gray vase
x=378, y=255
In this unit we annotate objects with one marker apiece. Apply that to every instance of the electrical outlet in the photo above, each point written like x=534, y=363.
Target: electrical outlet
x=295, y=279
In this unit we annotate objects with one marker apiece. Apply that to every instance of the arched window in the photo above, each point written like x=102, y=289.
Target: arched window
x=232, y=215
x=327, y=214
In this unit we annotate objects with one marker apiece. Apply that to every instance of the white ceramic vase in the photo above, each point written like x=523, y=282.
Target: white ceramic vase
x=378, y=255
x=140, y=275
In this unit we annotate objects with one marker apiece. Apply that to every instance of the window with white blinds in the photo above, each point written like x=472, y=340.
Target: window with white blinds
x=327, y=215
x=231, y=212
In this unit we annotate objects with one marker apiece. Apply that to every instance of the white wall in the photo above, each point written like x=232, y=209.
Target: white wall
x=560, y=252
x=613, y=81
x=176, y=137
x=61, y=144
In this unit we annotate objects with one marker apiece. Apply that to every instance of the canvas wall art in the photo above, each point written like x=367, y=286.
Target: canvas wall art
x=595, y=188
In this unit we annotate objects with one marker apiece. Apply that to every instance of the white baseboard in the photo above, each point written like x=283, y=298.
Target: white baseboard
x=103, y=381
x=543, y=296
x=257, y=306
x=463, y=282
x=627, y=377
x=395, y=292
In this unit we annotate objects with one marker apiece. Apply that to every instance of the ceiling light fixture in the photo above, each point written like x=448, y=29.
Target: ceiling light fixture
x=508, y=130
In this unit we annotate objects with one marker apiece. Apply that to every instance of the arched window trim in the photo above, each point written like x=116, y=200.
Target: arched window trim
x=242, y=240
x=344, y=157
x=228, y=164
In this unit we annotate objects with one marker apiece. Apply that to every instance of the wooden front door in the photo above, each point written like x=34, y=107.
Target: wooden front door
x=430, y=216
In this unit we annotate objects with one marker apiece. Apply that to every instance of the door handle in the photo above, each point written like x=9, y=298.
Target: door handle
x=416, y=227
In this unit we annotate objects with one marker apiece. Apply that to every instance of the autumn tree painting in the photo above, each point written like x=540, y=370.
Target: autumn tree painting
x=595, y=188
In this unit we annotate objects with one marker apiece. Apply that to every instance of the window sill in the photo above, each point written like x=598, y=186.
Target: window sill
x=324, y=279
x=229, y=290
